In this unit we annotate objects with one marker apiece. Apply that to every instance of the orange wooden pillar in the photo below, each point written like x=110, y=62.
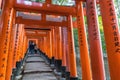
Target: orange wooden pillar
x=97, y=65
x=22, y=43
x=63, y=47
x=5, y=33
x=49, y=46
x=17, y=45
x=15, y=48
x=18, y=56
x=84, y=53
x=67, y=53
x=59, y=49
x=45, y=45
x=112, y=37
x=43, y=49
x=11, y=47
x=42, y=43
x=53, y=46
x=36, y=41
x=72, y=55
x=14, y=40
x=64, y=52
x=39, y=43
x=24, y=46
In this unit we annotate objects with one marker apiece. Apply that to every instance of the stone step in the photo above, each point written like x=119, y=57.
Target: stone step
x=39, y=76
x=36, y=69
x=34, y=59
x=34, y=55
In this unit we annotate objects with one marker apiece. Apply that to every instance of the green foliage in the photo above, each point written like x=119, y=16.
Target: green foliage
x=59, y=2
x=102, y=34
x=63, y=2
x=117, y=7
x=74, y=19
x=75, y=31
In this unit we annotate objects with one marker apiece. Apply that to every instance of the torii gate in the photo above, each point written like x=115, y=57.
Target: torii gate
x=110, y=30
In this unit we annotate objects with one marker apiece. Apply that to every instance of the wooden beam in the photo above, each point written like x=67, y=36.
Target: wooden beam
x=35, y=35
x=48, y=9
x=20, y=20
x=42, y=17
x=80, y=0
x=97, y=1
x=31, y=33
x=37, y=27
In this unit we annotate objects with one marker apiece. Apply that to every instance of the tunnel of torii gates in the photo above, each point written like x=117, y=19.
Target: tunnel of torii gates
x=51, y=29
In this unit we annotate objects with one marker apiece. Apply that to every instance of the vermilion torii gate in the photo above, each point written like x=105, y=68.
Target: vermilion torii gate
x=60, y=37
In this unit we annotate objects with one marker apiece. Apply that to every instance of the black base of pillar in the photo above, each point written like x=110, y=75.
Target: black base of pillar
x=14, y=71
x=55, y=63
x=58, y=65
x=73, y=78
x=53, y=60
x=47, y=58
x=49, y=61
x=42, y=54
x=63, y=70
x=67, y=76
x=18, y=64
